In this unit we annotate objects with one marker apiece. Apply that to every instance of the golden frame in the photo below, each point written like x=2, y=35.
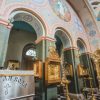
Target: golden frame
x=82, y=71
x=69, y=70
x=37, y=67
x=13, y=64
x=52, y=71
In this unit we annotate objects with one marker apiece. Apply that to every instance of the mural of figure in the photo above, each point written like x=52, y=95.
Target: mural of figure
x=61, y=9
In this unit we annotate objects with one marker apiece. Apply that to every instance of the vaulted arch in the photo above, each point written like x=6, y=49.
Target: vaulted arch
x=21, y=15
x=65, y=38
x=81, y=45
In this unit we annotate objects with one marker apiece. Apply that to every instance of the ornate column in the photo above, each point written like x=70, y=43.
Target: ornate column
x=86, y=62
x=43, y=44
x=5, y=28
x=96, y=58
x=71, y=56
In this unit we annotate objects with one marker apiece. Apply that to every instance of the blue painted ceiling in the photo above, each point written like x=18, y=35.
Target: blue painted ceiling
x=21, y=25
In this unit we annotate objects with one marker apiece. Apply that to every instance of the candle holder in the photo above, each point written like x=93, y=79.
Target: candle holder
x=98, y=77
x=66, y=83
x=64, y=80
x=90, y=79
x=85, y=92
x=96, y=58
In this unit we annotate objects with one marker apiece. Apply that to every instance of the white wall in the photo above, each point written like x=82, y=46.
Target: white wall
x=17, y=40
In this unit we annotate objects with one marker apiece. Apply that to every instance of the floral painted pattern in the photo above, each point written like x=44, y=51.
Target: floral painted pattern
x=38, y=1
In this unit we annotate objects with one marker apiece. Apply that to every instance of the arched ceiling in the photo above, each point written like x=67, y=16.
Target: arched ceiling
x=28, y=18
x=21, y=25
x=78, y=5
x=81, y=46
x=66, y=41
x=86, y=16
x=95, y=5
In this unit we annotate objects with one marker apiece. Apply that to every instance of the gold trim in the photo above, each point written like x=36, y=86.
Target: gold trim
x=16, y=75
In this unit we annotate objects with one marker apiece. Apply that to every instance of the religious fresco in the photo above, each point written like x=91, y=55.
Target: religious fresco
x=95, y=4
x=92, y=34
x=38, y=1
x=61, y=9
x=13, y=1
x=78, y=24
x=90, y=28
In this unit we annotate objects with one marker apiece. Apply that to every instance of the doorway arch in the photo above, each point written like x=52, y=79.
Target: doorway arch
x=28, y=56
x=26, y=30
x=63, y=38
x=67, y=58
x=28, y=17
x=81, y=45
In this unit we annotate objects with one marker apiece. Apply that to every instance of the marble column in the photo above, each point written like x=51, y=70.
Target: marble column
x=5, y=28
x=87, y=62
x=43, y=44
x=71, y=56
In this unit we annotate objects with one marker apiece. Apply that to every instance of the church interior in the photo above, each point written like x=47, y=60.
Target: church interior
x=50, y=49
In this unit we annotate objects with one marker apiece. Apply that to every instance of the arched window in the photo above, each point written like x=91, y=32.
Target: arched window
x=29, y=56
x=31, y=52
x=81, y=45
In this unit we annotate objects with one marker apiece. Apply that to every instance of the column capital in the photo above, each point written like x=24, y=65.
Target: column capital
x=6, y=23
x=45, y=38
x=71, y=48
x=89, y=53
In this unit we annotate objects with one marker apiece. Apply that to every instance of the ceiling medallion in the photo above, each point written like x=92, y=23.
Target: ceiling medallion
x=27, y=18
x=61, y=9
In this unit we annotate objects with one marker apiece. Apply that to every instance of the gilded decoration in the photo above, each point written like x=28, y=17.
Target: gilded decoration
x=52, y=67
x=68, y=70
x=53, y=53
x=37, y=67
x=82, y=71
x=13, y=65
x=53, y=70
x=96, y=57
x=60, y=7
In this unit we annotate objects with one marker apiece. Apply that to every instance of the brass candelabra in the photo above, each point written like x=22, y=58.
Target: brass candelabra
x=65, y=81
x=87, y=73
x=90, y=79
x=96, y=58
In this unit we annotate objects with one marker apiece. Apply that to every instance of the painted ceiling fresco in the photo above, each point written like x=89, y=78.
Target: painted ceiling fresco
x=38, y=1
x=61, y=9
x=21, y=1
x=77, y=24
x=90, y=28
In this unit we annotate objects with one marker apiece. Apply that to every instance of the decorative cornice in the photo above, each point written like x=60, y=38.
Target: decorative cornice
x=85, y=53
x=44, y=38
x=71, y=48
x=6, y=23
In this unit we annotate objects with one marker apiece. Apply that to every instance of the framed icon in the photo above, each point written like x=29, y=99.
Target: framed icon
x=13, y=64
x=82, y=71
x=52, y=71
x=69, y=70
x=37, y=67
